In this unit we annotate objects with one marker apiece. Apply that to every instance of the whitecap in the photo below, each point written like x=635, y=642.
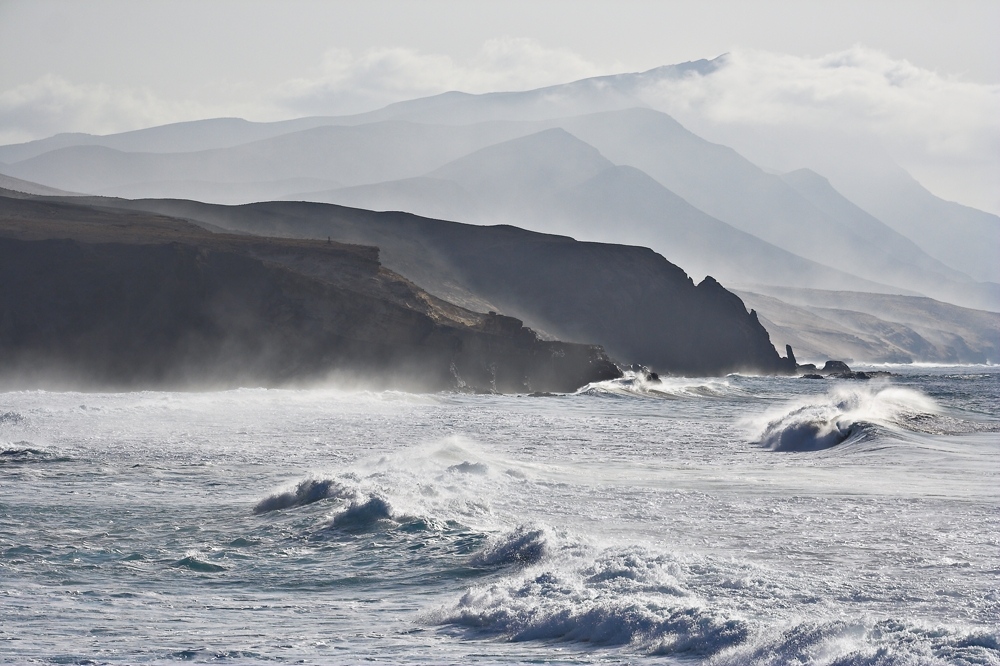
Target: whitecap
x=305, y=492
x=843, y=414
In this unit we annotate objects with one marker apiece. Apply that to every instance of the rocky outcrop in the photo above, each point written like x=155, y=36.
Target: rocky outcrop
x=837, y=370
x=632, y=301
x=117, y=299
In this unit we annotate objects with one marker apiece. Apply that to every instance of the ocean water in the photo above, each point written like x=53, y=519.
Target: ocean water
x=741, y=520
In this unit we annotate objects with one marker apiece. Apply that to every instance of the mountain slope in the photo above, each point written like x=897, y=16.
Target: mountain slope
x=553, y=182
x=876, y=328
x=334, y=154
x=631, y=300
x=962, y=237
x=99, y=297
x=191, y=136
x=28, y=187
x=907, y=264
x=718, y=181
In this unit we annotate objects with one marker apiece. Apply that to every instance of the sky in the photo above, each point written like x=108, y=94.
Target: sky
x=927, y=72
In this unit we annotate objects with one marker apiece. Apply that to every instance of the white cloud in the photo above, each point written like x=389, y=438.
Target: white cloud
x=859, y=88
x=943, y=129
x=52, y=104
x=346, y=82
x=350, y=82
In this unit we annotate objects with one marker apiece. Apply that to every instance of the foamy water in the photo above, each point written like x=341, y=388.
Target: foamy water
x=738, y=520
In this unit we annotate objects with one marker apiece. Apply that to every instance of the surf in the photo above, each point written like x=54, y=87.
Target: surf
x=840, y=416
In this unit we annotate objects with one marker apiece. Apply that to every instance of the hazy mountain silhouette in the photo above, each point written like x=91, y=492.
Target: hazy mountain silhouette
x=191, y=136
x=711, y=177
x=804, y=216
x=962, y=237
x=334, y=154
x=28, y=187
x=553, y=182
x=875, y=327
x=632, y=301
x=112, y=298
x=583, y=158
x=891, y=255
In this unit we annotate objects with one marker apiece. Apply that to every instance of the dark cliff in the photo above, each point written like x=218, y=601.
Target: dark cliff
x=101, y=298
x=630, y=300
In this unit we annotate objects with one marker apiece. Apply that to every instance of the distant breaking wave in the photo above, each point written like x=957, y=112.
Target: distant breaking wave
x=24, y=453
x=11, y=418
x=842, y=415
x=639, y=384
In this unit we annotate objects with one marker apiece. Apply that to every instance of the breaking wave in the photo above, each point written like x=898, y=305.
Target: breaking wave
x=306, y=492
x=524, y=545
x=366, y=515
x=886, y=642
x=639, y=599
x=11, y=418
x=643, y=384
x=842, y=415
x=446, y=485
x=24, y=453
x=622, y=597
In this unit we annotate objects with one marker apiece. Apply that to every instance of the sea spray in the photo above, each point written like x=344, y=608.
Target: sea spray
x=522, y=546
x=307, y=491
x=641, y=384
x=823, y=421
x=864, y=642
x=689, y=542
x=620, y=596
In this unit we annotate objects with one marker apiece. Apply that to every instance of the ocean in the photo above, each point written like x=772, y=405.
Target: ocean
x=735, y=520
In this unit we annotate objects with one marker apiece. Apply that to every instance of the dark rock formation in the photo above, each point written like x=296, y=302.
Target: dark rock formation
x=630, y=300
x=790, y=356
x=831, y=367
x=116, y=299
x=837, y=370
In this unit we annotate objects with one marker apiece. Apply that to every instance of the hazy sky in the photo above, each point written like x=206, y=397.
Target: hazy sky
x=111, y=65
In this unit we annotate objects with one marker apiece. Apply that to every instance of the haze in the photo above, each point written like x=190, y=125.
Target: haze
x=836, y=169
x=923, y=77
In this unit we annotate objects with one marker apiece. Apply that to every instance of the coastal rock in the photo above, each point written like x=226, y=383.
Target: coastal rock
x=831, y=367
x=123, y=300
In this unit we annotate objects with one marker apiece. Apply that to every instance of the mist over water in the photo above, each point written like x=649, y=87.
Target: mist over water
x=739, y=520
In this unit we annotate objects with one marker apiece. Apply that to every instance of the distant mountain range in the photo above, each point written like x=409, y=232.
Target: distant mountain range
x=588, y=159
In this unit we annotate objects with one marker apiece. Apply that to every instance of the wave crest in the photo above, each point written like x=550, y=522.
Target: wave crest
x=524, y=545
x=622, y=597
x=306, y=492
x=644, y=384
x=634, y=597
x=11, y=418
x=364, y=516
x=844, y=414
x=865, y=643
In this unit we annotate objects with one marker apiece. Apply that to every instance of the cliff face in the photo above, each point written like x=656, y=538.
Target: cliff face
x=630, y=300
x=118, y=299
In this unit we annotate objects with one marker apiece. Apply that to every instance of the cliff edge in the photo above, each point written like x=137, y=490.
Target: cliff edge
x=632, y=301
x=113, y=299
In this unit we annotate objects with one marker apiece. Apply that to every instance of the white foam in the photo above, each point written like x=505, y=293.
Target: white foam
x=639, y=384
x=822, y=421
